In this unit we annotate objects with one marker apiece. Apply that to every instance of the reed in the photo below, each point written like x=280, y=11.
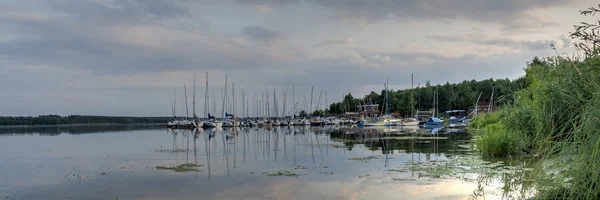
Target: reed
x=556, y=118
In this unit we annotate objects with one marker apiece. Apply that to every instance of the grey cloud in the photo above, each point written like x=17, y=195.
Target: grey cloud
x=122, y=10
x=336, y=42
x=262, y=34
x=100, y=46
x=504, y=42
x=510, y=13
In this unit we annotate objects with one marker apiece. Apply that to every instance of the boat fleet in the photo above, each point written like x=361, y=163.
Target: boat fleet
x=369, y=114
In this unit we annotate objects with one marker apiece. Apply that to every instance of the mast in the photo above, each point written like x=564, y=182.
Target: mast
x=433, y=104
x=275, y=109
x=311, y=99
x=294, y=100
x=284, y=99
x=175, y=103
x=325, y=109
x=194, y=100
x=387, y=97
x=233, y=111
x=172, y=107
x=187, y=115
x=319, y=101
x=224, y=98
x=206, y=99
x=243, y=104
x=412, y=96
x=247, y=107
x=490, y=105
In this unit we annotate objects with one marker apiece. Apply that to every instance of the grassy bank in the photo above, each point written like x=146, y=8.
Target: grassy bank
x=557, y=118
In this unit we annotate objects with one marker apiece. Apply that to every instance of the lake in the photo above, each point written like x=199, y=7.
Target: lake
x=334, y=162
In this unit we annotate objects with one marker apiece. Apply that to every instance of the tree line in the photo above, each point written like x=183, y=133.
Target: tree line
x=451, y=96
x=78, y=119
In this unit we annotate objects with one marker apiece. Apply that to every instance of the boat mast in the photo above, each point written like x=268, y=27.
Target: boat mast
x=224, y=94
x=172, y=107
x=194, y=100
x=294, y=100
x=187, y=114
x=284, y=99
x=319, y=101
x=275, y=109
x=175, y=103
x=244, y=113
x=247, y=106
x=433, y=104
x=311, y=99
x=490, y=105
x=325, y=109
x=387, y=97
x=233, y=111
x=206, y=99
x=412, y=96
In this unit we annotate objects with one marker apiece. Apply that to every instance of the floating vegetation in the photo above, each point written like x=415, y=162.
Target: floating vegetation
x=345, y=140
x=171, y=150
x=103, y=173
x=362, y=176
x=299, y=167
x=325, y=172
x=403, y=179
x=325, y=166
x=458, y=167
x=123, y=168
x=189, y=167
x=338, y=146
x=284, y=173
x=364, y=159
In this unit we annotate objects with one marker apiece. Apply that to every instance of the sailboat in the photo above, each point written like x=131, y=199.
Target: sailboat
x=411, y=121
x=385, y=120
x=434, y=121
x=210, y=120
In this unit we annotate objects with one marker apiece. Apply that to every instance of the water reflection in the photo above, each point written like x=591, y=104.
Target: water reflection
x=293, y=159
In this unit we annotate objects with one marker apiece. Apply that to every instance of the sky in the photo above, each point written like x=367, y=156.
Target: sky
x=131, y=57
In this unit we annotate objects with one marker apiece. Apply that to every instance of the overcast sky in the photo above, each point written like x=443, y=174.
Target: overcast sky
x=128, y=57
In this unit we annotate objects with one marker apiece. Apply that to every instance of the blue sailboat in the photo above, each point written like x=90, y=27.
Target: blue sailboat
x=434, y=121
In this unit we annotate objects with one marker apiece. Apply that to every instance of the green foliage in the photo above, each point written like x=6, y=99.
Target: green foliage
x=557, y=114
x=455, y=96
x=484, y=119
x=496, y=140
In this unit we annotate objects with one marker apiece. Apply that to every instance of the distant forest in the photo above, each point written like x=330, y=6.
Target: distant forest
x=457, y=96
x=78, y=119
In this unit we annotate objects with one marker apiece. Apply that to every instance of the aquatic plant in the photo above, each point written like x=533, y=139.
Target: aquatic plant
x=188, y=167
x=284, y=173
x=556, y=119
x=495, y=140
x=364, y=159
x=484, y=119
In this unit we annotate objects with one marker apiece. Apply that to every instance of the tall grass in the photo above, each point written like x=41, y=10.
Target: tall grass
x=496, y=141
x=484, y=119
x=559, y=115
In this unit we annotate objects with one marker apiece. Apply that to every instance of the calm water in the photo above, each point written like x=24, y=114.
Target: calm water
x=121, y=162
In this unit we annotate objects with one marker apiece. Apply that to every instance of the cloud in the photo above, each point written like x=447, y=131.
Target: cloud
x=263, y=34
x=522, y=45
x=122, y=10
x=512, y=14
x=336, y=42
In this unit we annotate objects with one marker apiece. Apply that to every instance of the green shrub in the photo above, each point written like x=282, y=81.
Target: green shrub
x=495, y=140
x=484, y=119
